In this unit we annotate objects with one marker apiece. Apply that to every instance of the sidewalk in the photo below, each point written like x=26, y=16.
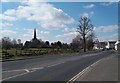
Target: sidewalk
x=105, y=70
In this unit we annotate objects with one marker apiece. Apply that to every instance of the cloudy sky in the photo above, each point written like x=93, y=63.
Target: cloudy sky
x=57, y=20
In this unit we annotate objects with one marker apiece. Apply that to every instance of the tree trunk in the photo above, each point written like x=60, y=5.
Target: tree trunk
x=84, y=40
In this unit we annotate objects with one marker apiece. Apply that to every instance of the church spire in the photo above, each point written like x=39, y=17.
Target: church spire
x=35, y=33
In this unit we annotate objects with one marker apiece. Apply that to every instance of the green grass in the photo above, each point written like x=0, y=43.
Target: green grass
x=18, y=53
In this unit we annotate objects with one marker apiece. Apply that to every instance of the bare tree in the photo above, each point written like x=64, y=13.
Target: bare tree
x=59, y=44
x=0, y=43
x=90, y=40
x=76, y=42
x=19, y=41
x=14, y=42
x=6, y=43
x=84, y=28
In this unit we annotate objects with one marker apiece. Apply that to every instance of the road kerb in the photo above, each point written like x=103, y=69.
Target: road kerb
x=83, y=71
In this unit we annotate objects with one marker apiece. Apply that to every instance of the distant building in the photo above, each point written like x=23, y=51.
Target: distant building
x=34, y=43
x=110, y=45
x=102, y=45
x=95, y=46
x=99, y=45
x=27, y=44
x=117, y=45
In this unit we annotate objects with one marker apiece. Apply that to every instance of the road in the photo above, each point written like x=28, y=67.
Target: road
x=56, y=68
x=105, y=70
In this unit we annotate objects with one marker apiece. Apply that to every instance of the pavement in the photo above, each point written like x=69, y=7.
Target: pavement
x=104, y=70
x=56, y=68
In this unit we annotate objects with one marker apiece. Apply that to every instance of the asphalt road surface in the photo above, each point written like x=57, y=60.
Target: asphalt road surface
x=56, y=68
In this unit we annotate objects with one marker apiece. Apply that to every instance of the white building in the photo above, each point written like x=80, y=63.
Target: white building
x=110, y=45
x=105, y=45
x=117, y=45
x=99, y=45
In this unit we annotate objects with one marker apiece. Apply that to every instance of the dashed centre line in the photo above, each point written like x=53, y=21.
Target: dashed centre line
x=56, y=64
x=26, y=71
x=30, y=70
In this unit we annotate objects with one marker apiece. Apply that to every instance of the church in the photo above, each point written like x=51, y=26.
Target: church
x=34, y=43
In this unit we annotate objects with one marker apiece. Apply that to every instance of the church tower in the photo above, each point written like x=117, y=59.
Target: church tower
x=34, y=43
x=35, y=34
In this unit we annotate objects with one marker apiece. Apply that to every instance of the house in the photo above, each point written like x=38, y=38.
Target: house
x=105, y=45
x=102, y=45
x=95, y=46
x=27, y=44
x=110, y=44
x=117, y=45
x=99, y=45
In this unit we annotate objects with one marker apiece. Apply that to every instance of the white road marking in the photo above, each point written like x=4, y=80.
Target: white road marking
x=56, y=64
x=14, y=76
x=13, y=70
x=82, y=72
x=87, y=70
x=53, y=65
x=37, y=68
x=26, y=72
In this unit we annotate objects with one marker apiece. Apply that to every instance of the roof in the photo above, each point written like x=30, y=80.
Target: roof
x=117, y=42
x=112, y=42
x=102, y=42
